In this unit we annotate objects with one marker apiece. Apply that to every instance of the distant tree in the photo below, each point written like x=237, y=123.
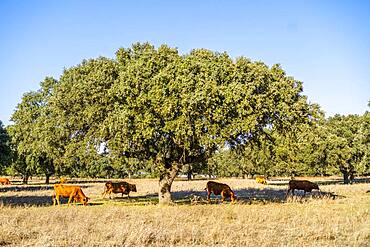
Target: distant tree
x=362, y=142
x=346, y=153
x=5, y=152
x=224, y=164
x=32, y=134
x=314, y=150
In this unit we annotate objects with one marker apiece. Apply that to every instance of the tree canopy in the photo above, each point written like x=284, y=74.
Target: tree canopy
x=156, y=110
x=5, y=152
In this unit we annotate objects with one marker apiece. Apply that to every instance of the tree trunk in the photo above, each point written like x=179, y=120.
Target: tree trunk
x=165, y=182
x=351, y=177
x=345, y=177
x=47, y=180
x=189, y=175
x=25, y=179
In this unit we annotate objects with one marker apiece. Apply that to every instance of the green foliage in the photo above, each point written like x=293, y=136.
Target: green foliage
x=32, y=132
x=153, y=110
x=5, y=152
x=362, y=143
x=337, y=145
x=352, y=138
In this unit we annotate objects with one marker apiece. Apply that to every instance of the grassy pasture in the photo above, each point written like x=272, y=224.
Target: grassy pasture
x=340, y=216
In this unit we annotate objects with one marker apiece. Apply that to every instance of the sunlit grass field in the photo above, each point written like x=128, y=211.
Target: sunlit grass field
x=340, y=216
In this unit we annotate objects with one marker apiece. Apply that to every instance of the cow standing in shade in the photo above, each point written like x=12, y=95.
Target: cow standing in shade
x=304, y=185
x=119, y=187
x=220, y=189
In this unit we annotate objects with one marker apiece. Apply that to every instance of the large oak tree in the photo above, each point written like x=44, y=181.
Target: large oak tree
x=160, y=107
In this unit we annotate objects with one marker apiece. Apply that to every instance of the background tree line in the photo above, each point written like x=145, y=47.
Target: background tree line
x=154, y=112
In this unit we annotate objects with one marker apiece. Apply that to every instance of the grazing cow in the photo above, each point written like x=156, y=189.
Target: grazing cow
x=4, y=181
x=304, y=185
x=119, y=187
x=69, y=191
x=261, y=180
x=219, y=189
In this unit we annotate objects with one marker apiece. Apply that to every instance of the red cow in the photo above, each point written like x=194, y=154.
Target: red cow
x=304, y=185
x=71, y=192
x=219, y=189
x=119, y=187
x=4, y=181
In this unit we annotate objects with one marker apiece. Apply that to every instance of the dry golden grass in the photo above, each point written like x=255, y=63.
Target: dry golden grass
x=260, y=218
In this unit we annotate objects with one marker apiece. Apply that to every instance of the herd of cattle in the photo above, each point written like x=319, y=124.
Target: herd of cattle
x=75, y=193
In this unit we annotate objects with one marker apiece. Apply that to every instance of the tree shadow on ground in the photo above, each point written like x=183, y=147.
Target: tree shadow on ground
x=15, y=188
x=133, y=200
x=37, y=201
x=361, y=180
x=26, y=200
x=57, y=181
x=187, y=197
x=325, y=181
x=244, y=196
x=250, y=195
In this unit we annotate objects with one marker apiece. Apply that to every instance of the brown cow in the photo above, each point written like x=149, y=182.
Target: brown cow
x=4, y=181
x=304, y=185
x=119, y=187
x=69, y=191
x=219, y=189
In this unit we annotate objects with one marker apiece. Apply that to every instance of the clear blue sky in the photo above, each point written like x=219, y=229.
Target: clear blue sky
x=325, y=44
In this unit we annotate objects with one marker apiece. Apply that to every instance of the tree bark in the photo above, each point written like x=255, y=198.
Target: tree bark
x=165, y=183
x=189, y=175
x=345, y=177
x=47, y=180
x=351, y=177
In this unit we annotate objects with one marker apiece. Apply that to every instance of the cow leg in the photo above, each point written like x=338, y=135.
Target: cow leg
x=70, y=199
x=287, y=193
x=54, y=200
x=106, y=192
x=222, y=196
x=73, y=196
x=57, y=199
x=208, y=196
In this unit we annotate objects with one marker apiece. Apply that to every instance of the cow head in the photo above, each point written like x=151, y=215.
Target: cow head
x=233, y=197
x=315, y=186
x=133, y=187
x=84, y=200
